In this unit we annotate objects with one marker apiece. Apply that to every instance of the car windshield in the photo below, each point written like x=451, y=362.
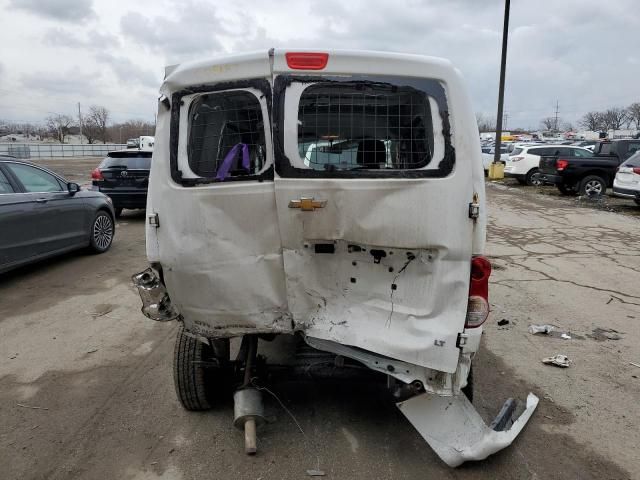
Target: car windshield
x=132, y=163
x=633, y=161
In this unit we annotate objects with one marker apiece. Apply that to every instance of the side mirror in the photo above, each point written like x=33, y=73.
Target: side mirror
x=73, y=188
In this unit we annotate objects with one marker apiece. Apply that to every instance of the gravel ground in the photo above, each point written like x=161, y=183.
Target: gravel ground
x=75, y=344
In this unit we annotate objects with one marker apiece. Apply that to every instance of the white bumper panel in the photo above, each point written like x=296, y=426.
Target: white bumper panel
x=455, y=430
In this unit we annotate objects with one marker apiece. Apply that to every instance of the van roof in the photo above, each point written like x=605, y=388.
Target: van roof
x=339, y=62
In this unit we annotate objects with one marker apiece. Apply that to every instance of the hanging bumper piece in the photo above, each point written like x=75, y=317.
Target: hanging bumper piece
x=455, y=430
x=156, y=303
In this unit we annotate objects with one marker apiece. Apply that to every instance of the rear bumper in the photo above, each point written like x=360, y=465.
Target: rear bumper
x=626, y=192
x=126, y=199
x=552, y=178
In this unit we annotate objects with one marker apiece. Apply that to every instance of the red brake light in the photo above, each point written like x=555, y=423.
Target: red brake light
x=636, y=170
x=478, y=305
x=307, y=60
x=561, y=164
x=96, y=174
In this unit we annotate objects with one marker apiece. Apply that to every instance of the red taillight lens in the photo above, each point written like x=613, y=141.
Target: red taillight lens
x=561, y=164
x=478, y=305
x=306, y=60
x=636, y=170
x=96, y=174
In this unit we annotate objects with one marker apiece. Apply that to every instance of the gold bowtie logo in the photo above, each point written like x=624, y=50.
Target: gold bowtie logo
x=307, y=204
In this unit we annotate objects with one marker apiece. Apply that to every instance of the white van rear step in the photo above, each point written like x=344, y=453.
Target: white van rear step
x=455, y=430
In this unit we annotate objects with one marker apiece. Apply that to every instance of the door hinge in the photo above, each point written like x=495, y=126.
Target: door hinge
x=474, y=207
x=154, y=220
x=462, y=340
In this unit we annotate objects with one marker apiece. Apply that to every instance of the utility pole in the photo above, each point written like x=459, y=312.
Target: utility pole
x=555, y=123
x=504, y=123
x=503, y=65
x=80, y=122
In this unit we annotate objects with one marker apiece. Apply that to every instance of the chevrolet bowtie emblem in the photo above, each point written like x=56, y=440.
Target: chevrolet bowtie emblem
x=307, y=204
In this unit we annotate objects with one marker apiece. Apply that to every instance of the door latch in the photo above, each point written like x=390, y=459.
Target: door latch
x=154, y=220
x=462, y=340
x=474, y=207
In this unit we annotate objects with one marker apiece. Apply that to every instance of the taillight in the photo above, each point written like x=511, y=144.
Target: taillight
x=636, y=170
x=516, y=159
x=478, y=305
x=96, y=174
x=561, y=164
x=307, y=60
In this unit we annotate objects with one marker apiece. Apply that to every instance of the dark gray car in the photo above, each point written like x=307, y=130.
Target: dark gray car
x=41, y=215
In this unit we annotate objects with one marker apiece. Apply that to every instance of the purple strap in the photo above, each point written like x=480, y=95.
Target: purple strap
x=223, y=170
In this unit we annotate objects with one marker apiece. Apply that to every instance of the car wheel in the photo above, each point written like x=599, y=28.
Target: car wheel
x=593, y=186
x=566, y=189
x=118, y=212
x=468, y=390
x=201, y=375
x=102, y=231
x=534, y=178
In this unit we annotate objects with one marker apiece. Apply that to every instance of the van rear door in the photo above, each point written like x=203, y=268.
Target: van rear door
x=373, y=207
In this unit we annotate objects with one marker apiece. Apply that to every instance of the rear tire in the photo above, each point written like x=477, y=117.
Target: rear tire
x=593, y=186
x=102, y=231
x=533, y=178
x=202, y=380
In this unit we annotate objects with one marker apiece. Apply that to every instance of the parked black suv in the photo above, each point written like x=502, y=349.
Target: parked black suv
x=124, y=176
x=591, y=175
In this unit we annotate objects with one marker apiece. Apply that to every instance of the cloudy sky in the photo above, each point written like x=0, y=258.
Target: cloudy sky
x=55, y=53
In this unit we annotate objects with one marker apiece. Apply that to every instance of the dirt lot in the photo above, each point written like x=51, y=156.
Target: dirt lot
x=74, y=344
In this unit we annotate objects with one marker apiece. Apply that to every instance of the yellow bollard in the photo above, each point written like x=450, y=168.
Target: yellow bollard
x=496, y=171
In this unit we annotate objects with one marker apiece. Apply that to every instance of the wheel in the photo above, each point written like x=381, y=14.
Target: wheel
x=533, y=178
x=566, y=189
x=102, y=231
x=201, y=374
x=593, y=185
x=118, y=212
x=468, y=390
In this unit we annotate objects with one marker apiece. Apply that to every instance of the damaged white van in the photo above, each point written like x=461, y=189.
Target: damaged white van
x=332, y=201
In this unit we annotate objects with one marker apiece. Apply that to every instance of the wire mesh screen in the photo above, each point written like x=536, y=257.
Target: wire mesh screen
x=219, y=122
x=364, y=126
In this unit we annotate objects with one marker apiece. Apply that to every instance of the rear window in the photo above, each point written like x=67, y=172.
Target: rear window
x=133, y=163
x=538, y=151
x=226, y=135
x=633, y=161
x=606, y=149
x=364, y=126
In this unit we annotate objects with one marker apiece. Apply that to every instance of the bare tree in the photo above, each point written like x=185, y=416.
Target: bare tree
x=548, y=123
x=59, y=125
x=485, y=124
x=591, y=121
x=567, y=127
x=614, y=118
x=96, y=124
x=633, y=111
x=131, y=129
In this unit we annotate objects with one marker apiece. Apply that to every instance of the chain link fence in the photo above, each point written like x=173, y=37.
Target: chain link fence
x=58, y=150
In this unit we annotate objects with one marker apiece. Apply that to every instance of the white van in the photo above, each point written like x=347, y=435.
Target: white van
x=330, y=198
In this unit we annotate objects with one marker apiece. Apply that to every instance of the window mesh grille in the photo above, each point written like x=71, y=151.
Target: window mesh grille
x=218, y=122
x=364, y=127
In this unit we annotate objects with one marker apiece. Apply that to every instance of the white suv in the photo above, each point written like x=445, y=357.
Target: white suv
x=627, y=181
x=522, y=163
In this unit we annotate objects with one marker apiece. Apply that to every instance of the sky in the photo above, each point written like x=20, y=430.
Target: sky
x=584, y=54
